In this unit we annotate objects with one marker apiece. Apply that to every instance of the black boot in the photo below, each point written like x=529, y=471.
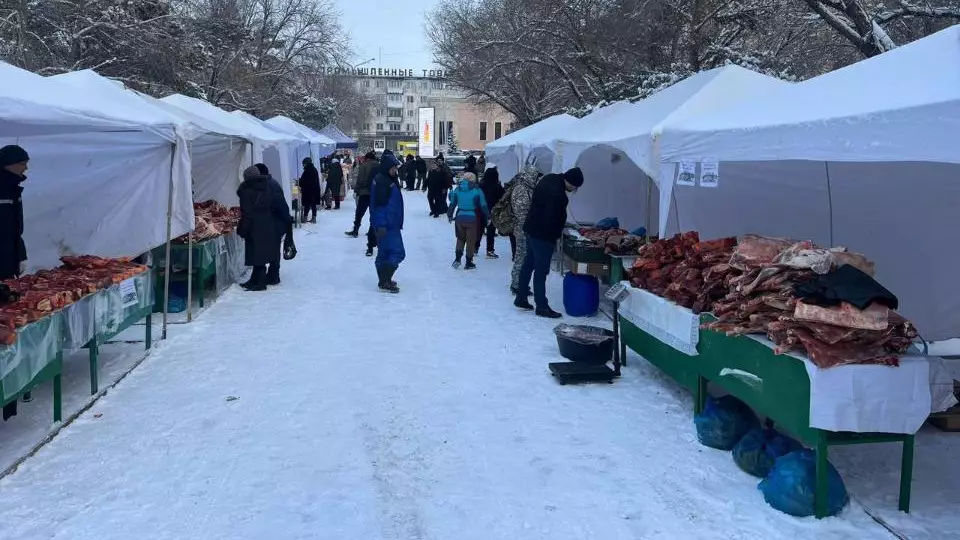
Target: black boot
x=522, y=303
x=387, y=284
x=469, y=265
x=353, y=234
x=258, y=279
x=273, y=275
x=548, y=313
x=369, y=252
x=456, y=261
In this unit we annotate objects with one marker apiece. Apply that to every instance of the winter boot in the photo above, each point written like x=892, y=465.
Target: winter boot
x=369, y=252
x=456, y=262
x=522, y=303
x=353, y=234
x=388, y=285
x=258, y=279
x=273, y=275
x=492, y=255
x=548, y=313
x=469, y=265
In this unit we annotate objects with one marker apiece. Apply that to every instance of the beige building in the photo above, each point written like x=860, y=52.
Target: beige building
x=398, y=94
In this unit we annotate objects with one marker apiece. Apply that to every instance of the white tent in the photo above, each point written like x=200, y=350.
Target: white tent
x=106, y=192
x=864, y=157
x=269, y=148
x=511, y=152
x=598, y=143
x=216, y=154
x=296, y=147
x=320, y=145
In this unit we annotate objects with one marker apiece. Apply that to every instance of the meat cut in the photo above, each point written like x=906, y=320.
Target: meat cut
x=210, y=220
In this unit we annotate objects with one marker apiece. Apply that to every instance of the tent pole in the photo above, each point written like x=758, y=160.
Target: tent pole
x=167, y=265
x=826, y=166
x=190, y=252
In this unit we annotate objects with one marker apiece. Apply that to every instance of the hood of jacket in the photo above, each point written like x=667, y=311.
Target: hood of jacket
x=386, y=163
x=466, y=185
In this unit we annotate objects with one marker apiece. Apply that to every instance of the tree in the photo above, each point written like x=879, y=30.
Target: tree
x=453, y=145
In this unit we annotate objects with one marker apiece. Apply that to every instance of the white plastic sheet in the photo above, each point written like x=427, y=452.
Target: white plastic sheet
x=670, y=323
x=37, y=345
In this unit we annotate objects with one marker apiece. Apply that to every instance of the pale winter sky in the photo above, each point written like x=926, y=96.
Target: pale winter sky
x=393, y=27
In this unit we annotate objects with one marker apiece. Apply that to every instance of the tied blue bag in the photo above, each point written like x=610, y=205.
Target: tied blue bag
x=791, y=485
x=606, y=224
x=723, y=422
x=759, y=449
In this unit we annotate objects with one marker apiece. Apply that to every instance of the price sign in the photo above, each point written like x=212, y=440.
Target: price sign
x=128, y=293
x=223, y=246
x=617, y=293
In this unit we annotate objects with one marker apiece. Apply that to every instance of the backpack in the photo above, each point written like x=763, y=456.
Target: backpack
x=502, y=213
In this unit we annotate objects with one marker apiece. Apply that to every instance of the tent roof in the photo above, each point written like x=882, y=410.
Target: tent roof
x=903, y=105
x=341, y=138
x=532, y=134
x=237, y=124
x=278, y=134
x=34, y=105
x=292, y=126
x=632, y=128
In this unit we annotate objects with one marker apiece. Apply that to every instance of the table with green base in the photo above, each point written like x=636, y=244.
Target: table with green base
x=204, y=267
x=36, y=357
x=782, y=396
x=113, y=315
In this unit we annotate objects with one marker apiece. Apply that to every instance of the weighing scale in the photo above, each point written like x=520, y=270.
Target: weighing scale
x=581, y=372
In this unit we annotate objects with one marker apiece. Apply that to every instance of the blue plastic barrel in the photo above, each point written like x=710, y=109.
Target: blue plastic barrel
x=581, y=295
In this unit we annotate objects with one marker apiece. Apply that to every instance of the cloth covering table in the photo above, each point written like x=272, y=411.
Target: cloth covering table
x=670, y=323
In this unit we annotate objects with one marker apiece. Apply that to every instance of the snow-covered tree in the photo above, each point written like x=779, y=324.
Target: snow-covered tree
x=453, y=145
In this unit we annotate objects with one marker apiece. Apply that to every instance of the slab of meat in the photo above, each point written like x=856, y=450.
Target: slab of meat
x=211, y=219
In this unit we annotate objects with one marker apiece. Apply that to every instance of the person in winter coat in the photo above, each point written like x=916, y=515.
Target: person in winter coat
x=436, y=184
x=273, y=269
x=482, y=164
x=386, y=217
x=310, y=193
x=334, y=182
x=470, y=164
x=365, y=173
x=520, y=200
x=493, y=192
x=410, y=173
x=543, y=226
x=448, y=174
x=468, y=208
x=421, y=173
x=13, y=251
x=264, y=219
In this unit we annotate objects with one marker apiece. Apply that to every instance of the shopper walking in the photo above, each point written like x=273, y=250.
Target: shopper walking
x=386, y=218
x=421, y=173
x=365, y=173
x=470, y=164
x=284, y=225
x=409, y=172
x=264, y=216
x=543, y=228
x=310, y=193
x=14, y=162
x=469, y=211
x=493, y=192
x=520, y=200
x=482, y=165
x=334, y=183
x=436, y=184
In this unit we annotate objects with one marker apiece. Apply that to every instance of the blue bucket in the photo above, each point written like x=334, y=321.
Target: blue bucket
x=581, y=295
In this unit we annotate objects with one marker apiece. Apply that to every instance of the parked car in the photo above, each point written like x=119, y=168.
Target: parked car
x=456, y=163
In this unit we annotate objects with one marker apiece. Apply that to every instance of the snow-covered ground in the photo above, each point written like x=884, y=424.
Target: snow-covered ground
x=323, y=409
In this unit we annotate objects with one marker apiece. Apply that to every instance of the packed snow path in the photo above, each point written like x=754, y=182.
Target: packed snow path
x=324, y=409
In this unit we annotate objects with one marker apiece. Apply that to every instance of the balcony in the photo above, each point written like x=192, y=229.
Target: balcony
x=395, y=119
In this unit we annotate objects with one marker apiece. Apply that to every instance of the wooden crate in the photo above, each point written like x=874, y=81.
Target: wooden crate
x=948, y=420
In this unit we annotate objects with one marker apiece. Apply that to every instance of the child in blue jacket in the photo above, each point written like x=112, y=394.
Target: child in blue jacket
x=468, y=208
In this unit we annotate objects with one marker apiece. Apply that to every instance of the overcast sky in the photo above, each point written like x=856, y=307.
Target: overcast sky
x=390, y=32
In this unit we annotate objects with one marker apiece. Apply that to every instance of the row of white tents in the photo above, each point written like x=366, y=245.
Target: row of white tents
x=866, y=157
x=114, y=172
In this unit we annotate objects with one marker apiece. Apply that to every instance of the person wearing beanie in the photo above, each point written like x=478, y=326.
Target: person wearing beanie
x=310, y=193
x=543, y=227
x=334, y=183
x=409, y=172
x=264, y=220
x=493, y=191
x=470, y=207
x=386, y=218
x=361, y=187
x=13, y=251
x=421, y=173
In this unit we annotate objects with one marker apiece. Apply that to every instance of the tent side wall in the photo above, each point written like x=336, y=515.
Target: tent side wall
x=216, y=163
x=615, y=187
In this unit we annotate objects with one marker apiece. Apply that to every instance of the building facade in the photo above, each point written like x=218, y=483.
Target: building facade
x=398, y=94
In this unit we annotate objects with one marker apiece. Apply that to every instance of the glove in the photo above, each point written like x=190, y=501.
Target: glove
x=381, y=232
x=23, y=267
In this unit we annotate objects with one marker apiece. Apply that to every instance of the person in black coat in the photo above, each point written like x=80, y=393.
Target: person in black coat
x=334, y=182
x=421, y=173
x=492, y=192
x=13, y=251
x=310, y=190
x=543, y=227
x=436, y=184
x=470, y=164
x=264, y=219
x=409, y=173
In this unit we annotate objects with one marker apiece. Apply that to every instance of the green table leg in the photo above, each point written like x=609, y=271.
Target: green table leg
x=623, y=352
x=700, y=400
x=820, y=495
x=94, y=361
x=906, y=473
x=58, y=392
x=149, y=335
x=201, y=277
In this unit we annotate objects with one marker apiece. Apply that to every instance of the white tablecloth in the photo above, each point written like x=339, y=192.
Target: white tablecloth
x=869, y=398
x=674, y=325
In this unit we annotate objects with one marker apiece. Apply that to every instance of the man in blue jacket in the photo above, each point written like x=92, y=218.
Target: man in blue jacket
x=386, y=218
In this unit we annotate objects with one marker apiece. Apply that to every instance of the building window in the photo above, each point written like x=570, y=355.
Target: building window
x=378, y=83
x=394, y=112
x=394, y=127
x=396, y=83
x=379, y=127
x=442, y=133
x=379, y=112
x=410, y=112
x=423, y=99
x=366, y=127
x=409, y=99
x=437, y=85
x=366, y=84
x=483, y=131
x=513, y=126
x=497, y=130
x=423, y=85
x=394, y=99
x=409, y=127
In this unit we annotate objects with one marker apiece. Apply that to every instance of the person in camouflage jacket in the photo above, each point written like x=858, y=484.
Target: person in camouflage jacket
x=521, y=198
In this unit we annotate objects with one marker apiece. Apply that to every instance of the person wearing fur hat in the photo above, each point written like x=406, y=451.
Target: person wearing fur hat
x=264, y=219
x=310, y=194
x=386, y=218
x=543, y=227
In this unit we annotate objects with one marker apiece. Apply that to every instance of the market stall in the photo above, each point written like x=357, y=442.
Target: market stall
x=524, y=146
x=775, y=324
x=293, y=148
x=320, y=145
x=339, y=137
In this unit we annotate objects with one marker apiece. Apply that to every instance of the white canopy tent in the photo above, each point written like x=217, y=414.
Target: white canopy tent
x=320, y=145
x=864, y=157
x=268, y=148
x=296, y=148
x=216, y=153
x=104, y=193
x=511, y=152
x=598, y=143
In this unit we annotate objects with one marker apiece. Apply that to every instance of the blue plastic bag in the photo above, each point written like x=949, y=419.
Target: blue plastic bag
x=791, y=484
x=758, y=450
x=639, y=231
x=724, y=422
x=606, y=224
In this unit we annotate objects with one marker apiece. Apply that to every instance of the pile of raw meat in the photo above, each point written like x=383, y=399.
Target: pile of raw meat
x=755, y=285
x=613, y=241
x=38, y=295
x=211, y=219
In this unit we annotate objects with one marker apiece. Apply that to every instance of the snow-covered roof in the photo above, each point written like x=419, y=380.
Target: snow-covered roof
x=530, y=136
x=234, y=123
x=341, y=138
x=903, y=105
x=633, y=128
x=291, y=126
